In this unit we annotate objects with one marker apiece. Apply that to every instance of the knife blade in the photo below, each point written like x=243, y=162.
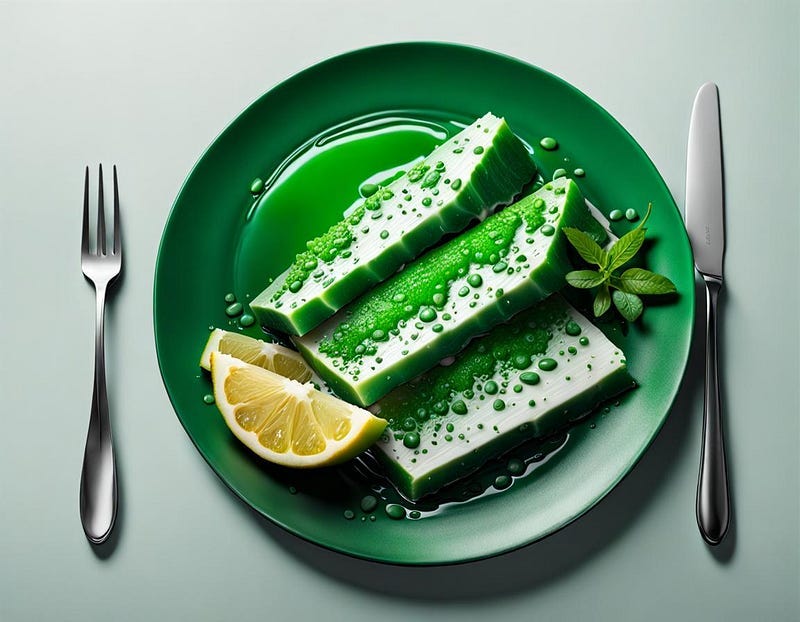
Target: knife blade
x=705, y=221
x=704, y=183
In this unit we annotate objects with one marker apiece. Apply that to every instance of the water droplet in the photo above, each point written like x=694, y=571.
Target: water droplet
x=411, y=440
x=349, y=514
x=234, y=309
x=579, y=172
x=459, y=407
x=208, y=398
x=530, y=377
x=229, y=298
x=549, y=143
x=631, y=215
x=247, y=320
x=615, y=215
x=475, y=280
x=257, y=185
x=572, y=328
x=548, y=230
x=559, y=172
x=548, y=364
x=501, y=482
x=478, y=150
x=384, y=234
x=395, y=511
x=521, y=361
x=367, y=190
x=515, y=466
x=499, y=405
x=427, y=314
x=490, y=387
x=369, y=503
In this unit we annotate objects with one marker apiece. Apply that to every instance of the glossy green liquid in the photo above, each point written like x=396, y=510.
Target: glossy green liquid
x=322, y=180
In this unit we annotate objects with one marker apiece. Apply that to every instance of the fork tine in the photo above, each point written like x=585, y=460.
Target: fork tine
x=85, y=236
x=117, y=241
x=101, y=218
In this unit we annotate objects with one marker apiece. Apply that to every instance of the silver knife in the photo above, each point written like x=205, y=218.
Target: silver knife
x=705, y=206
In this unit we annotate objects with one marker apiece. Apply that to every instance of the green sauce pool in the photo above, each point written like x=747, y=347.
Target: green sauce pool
x=323, y=179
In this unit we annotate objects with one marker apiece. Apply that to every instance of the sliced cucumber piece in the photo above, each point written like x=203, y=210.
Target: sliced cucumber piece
x=456, y=291
x=547, y=367
x=483, y=166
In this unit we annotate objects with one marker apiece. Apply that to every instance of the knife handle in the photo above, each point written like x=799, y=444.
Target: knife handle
x=713, y=501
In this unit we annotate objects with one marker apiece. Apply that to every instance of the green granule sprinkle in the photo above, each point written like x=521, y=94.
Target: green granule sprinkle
x=485, y=361
x=521, y=361
x=417, y=172
x=427, y=281
x=325, y=248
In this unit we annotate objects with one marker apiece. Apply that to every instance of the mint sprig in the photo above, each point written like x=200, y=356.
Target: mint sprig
x=628, y=286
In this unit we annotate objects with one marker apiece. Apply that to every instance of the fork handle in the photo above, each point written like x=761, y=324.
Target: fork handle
x=98, y=493
x=713, y=501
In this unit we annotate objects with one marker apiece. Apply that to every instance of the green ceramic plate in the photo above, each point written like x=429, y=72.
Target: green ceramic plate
x=215, y=243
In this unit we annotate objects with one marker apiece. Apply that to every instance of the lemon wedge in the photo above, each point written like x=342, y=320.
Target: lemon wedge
x=271, y=356
x=286, y=422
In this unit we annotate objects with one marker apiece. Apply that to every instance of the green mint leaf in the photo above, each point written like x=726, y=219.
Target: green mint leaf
x=646, y=216
x=629, y=305
x=585, y=279
x=625, y=248
x=587, y=248
x=602, y=301
x=639, y=281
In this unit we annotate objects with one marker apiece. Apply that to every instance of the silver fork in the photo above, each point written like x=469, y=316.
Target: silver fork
x=98, y=495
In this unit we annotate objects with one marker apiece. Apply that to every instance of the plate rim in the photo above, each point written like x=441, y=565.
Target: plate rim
x=320, y=65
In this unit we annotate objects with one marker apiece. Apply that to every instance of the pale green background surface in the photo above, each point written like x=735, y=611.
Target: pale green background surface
x=148, y=86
